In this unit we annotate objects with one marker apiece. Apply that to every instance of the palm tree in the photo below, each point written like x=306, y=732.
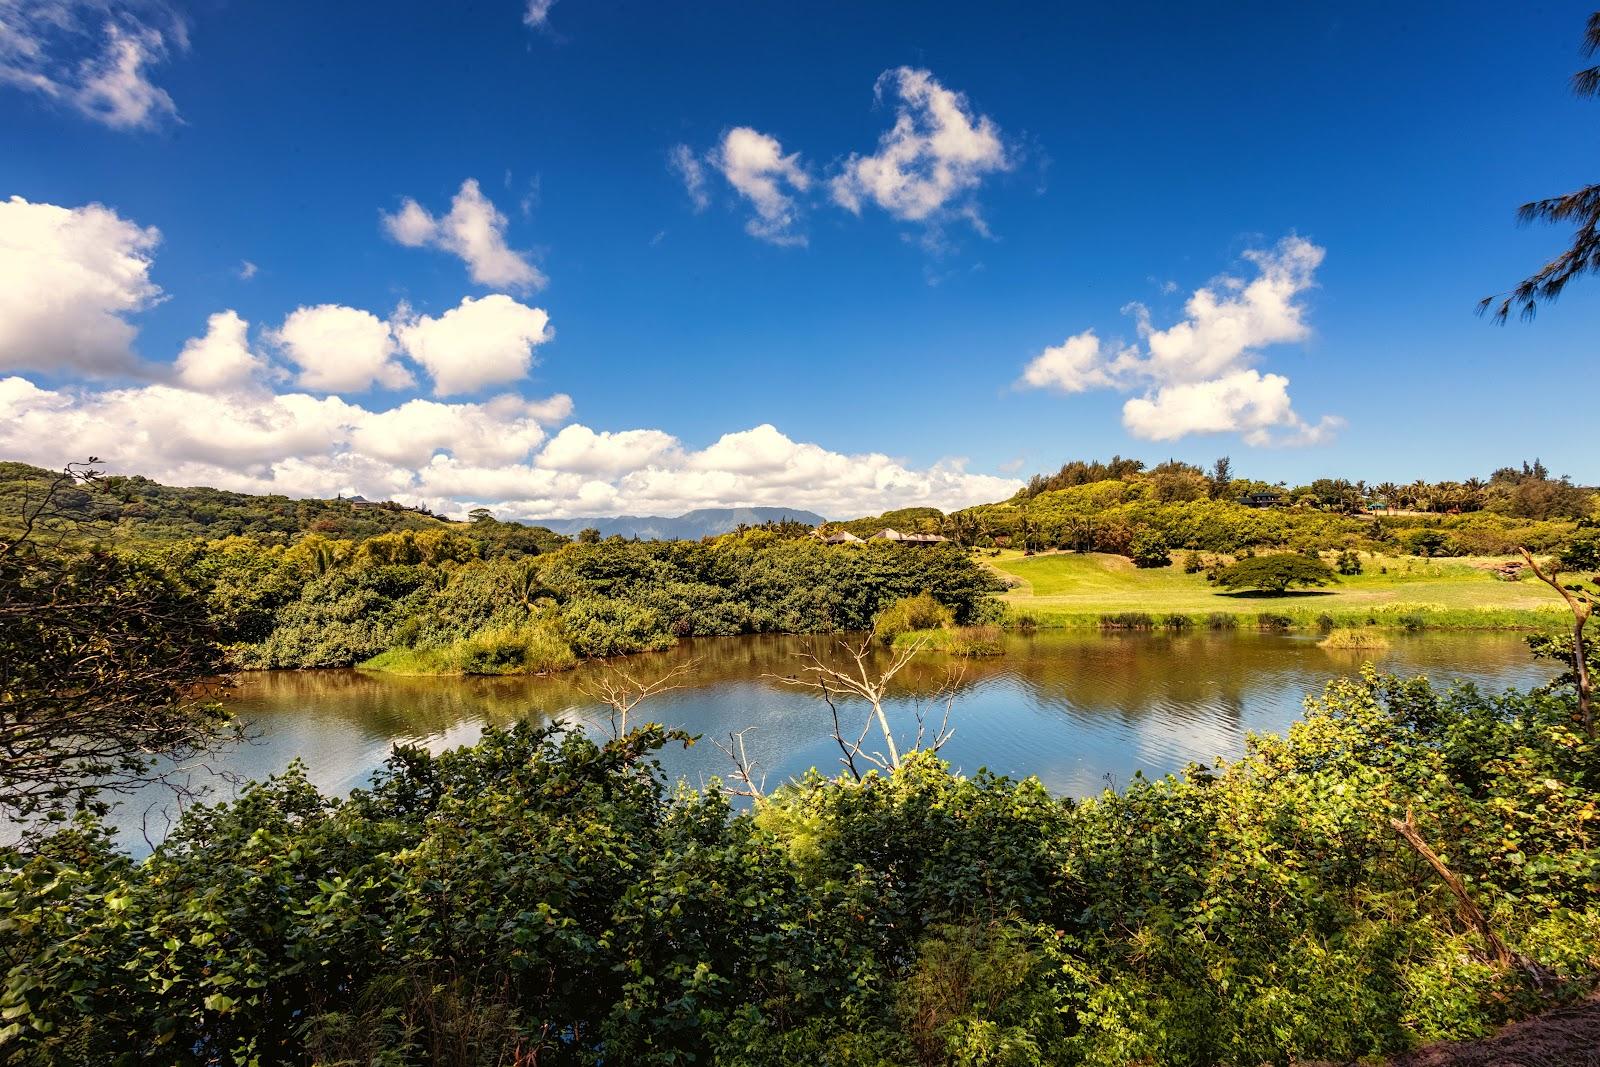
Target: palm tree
x=1474, y=492
x=1387, y=492
x=1581, y=208
x=526, y=588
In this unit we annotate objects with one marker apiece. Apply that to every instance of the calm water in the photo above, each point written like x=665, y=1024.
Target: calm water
x=1077, y=709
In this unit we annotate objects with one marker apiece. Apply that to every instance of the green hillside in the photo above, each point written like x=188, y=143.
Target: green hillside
x=121, y=509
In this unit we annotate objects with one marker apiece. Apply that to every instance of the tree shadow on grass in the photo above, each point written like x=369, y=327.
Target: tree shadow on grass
x=1267, y=594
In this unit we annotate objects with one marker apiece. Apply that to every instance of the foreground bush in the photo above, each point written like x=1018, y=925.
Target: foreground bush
x=545, y=897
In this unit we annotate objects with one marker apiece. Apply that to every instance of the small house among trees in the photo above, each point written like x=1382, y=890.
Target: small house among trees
x=1268, y=499
x=887, y=534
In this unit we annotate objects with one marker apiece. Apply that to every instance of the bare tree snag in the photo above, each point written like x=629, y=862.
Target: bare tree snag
x=862, y=682
x=744, y=768
x=622, y=691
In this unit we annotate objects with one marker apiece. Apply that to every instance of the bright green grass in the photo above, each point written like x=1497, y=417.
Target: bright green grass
x=1067, y=589
x=534, y=648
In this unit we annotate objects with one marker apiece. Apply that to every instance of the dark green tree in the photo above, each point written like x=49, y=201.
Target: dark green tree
x=1276, y=573
x=1150, y=549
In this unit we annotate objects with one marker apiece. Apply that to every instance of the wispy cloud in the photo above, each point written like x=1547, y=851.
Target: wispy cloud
x=93, y=56
x=536, y=13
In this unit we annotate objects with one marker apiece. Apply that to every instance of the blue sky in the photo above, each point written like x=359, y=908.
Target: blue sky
x=1138, y=154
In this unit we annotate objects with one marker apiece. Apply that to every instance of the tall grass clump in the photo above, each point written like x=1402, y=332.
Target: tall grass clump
x=1128, y=620
x=985, y=639
x=535, y=647
x=1222, y=620
x=920, y=612
x=1348, y=637
x=1273, y=622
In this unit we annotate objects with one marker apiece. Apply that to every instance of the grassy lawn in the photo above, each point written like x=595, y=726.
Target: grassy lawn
x=1064, y=589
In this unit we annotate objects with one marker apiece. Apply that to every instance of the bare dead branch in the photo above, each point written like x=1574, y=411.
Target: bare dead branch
x=1471, y=914
x=744, y=768
x=822, y=677
x=1582, y=607
x=622, y=691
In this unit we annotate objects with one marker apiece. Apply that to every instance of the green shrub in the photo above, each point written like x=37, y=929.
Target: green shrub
x=1128, y=620
x=1431, y=542
x=545, y=892
x=1349, y=562
x=1150, y=549
x=1581, y=553
x=920, y=612
x=597, y=627
x=1222, y=620
x=1267, y=620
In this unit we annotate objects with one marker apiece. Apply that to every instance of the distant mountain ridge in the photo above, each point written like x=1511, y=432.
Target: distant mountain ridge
x=690, y=526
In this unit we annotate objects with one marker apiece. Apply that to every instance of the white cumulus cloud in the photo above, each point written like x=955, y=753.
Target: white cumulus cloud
x=340, y=349
x=936, y=153
x=222, y=359
x=581, y=450
x=1077, y=364
x=476, y=344
x=1199, y=374
x=69, y=277
x=92, y=55
x=474, y=230
x=454, y=456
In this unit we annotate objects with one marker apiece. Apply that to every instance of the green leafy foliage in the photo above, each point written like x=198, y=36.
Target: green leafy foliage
x=104, y=667
x=1150, y=549
x=431, y=594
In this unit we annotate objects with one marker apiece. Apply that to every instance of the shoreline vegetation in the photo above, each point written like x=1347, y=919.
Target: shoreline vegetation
x=306, y=584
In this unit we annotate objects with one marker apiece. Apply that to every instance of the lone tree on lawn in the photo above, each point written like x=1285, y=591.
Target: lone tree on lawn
x=1276, y=573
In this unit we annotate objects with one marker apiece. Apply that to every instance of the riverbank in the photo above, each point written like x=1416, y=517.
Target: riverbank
x=1069, y=590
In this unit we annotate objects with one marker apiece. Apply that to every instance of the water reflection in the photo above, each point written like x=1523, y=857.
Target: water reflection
x=1076, y=709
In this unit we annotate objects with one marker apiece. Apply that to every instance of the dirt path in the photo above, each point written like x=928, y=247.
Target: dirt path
x=1564, y=1037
